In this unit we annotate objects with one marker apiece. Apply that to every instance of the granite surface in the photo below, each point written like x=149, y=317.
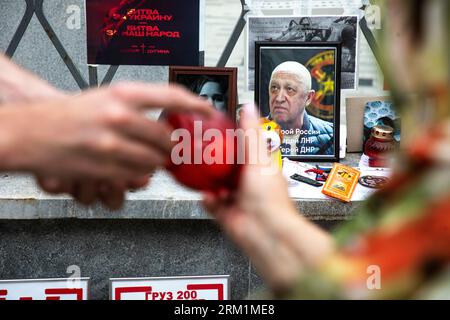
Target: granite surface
x=20, y=198
x=104, y=249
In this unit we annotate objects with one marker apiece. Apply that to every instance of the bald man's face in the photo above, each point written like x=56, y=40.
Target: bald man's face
x=288, y=98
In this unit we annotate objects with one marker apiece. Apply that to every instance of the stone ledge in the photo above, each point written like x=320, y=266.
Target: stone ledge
x=23, y=209
x=20, y=198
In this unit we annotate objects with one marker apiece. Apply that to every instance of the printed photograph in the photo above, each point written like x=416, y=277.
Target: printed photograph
x=297, y=86
x=307, y=29
x=217, y=85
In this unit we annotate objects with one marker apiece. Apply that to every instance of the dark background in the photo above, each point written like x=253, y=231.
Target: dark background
x=184, y=50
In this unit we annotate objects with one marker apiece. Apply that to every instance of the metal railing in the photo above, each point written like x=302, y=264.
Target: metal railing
x=36, y=7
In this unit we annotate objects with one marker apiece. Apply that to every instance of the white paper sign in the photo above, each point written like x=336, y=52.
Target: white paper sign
x=170, y=288
x=45, y=289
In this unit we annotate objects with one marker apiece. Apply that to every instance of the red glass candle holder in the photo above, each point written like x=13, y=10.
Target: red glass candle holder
x=380, y=146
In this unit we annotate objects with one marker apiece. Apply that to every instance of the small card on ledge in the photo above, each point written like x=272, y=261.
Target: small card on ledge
x=341, y=182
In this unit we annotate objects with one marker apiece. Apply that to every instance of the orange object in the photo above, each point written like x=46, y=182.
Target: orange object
x=341, y=182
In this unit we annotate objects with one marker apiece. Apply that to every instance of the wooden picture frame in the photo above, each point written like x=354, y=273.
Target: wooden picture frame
x=218, y=85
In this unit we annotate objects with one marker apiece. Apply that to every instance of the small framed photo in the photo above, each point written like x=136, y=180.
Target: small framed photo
x=218, y=85
x=297, y=85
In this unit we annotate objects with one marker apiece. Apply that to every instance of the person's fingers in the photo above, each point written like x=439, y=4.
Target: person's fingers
x=219, y=205
x=155, y=134
x=85, y=192
x=216, y=208
x=224, y=195
x=112, y=195
x=249, y=118
x=135, y=156
x=84, y=168
x=256, y=151
x=114, y=171
x=211, y=202
x=139, y=182
x=49, y=184
x=169, y=97
x=141, y=158
x=254, y=240
x=88, y=191
x=66, y=186
x=54, y=185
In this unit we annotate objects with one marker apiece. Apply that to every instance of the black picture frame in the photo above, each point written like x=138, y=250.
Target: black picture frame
x=187, y=76
x=269, y=54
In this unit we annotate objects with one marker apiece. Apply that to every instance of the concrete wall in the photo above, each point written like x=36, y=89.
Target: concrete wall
x=106, y=249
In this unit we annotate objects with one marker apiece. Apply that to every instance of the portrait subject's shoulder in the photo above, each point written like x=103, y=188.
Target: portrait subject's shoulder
x=324, y=127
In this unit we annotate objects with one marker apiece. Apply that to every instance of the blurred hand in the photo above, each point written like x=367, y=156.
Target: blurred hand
x=261, y=218
x=100, y=138
x=65, y=147
x=110, y=193
x=19, y=85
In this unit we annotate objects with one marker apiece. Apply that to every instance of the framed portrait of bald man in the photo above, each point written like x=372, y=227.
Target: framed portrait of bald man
x=297, y=85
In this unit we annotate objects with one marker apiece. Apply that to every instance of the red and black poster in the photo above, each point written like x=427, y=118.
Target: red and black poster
x=143, y=32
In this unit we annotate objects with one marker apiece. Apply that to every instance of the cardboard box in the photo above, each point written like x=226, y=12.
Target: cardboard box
x=355, y=120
